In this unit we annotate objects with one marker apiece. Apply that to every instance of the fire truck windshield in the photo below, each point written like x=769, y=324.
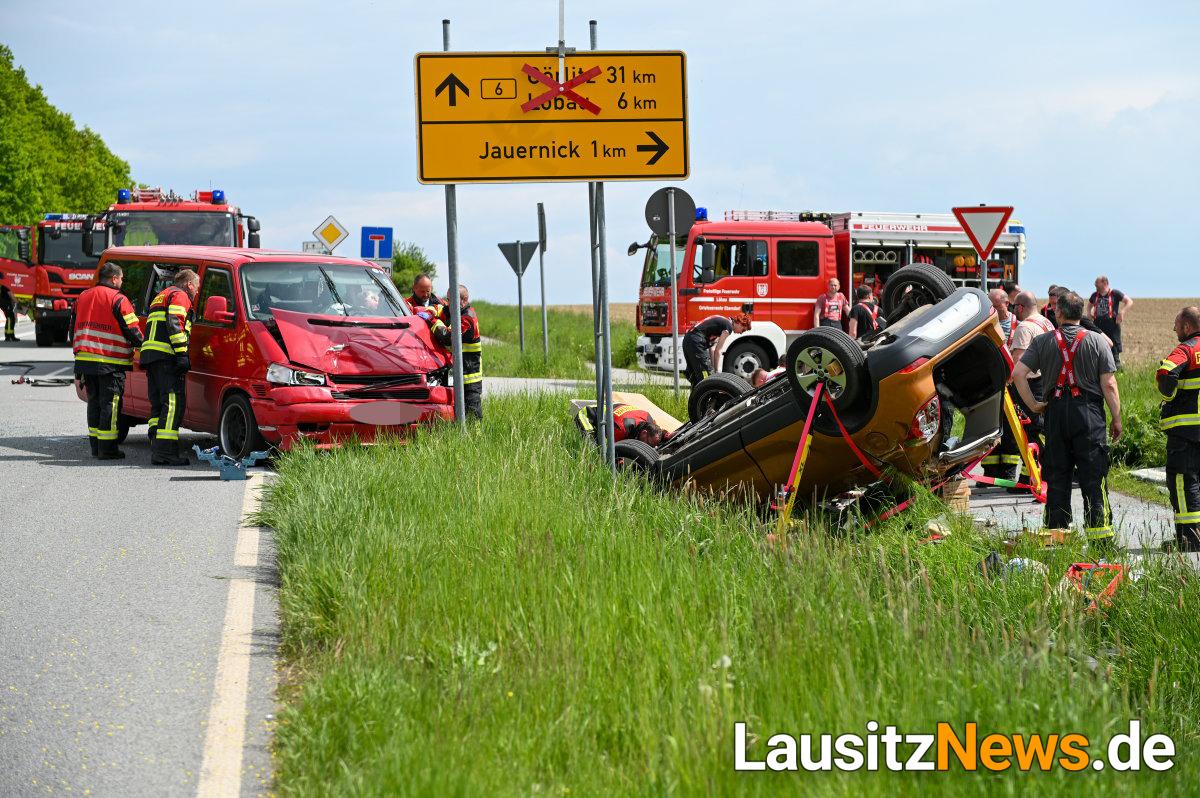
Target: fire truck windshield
x=64, y=250
x=325, y=289
x=657, y=270
x=150, y=228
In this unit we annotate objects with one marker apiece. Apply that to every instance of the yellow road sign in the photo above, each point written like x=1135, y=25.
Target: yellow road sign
x=331, y=233
x=504, y=117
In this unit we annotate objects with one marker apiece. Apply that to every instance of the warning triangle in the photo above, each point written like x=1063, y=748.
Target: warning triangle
x=983, y=224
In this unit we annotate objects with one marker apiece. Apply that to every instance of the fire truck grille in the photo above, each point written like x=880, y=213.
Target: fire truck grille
x=654, y=314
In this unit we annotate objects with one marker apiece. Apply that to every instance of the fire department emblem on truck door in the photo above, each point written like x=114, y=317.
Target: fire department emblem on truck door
x=760, y=289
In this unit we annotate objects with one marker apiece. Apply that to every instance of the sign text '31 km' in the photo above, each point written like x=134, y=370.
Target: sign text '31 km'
x=504, y=117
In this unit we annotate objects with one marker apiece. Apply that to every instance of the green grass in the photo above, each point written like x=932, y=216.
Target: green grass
x=489, y=613
x=571, y=342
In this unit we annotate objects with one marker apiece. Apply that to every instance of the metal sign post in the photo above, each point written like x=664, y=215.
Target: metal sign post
x=460, y=414
x=674, y=292
x=596, y=328
x=542, y=278
x=519, y=254
x=983, y=225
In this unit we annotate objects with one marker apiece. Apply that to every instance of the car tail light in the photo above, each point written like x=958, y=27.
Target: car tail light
x=925, y=423
x=913, y=366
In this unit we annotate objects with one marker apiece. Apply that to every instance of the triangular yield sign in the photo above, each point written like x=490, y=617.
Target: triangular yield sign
x=983, y=223
x=519, y=253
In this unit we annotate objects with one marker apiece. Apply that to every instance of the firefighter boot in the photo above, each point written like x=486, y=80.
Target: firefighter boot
x=166, y=452
x=94, y=444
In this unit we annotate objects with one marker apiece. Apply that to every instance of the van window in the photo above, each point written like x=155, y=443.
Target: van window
x=735, y=259
x=323, y=289
x=798, y=259
x=217, y=282
x=135, y=283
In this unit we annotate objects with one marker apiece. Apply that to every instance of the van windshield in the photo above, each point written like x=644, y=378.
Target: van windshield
x=323, y=289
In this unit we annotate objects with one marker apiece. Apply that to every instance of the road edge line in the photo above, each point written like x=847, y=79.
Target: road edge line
x=225, y=738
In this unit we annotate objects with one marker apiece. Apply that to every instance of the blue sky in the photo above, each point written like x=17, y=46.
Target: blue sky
x=1085, y=116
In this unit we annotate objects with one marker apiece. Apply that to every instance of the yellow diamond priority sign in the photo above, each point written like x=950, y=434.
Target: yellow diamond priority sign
x=506, y=118
x=330, y=233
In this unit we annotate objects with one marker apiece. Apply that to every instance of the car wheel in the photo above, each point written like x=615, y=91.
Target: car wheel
x=713, y=393
x=744, y=357
x=913, y=286
x=635, y=455
x=827, y=354
x=238, y=431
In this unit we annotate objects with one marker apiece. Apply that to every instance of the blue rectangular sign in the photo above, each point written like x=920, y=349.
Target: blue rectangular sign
x=376, y=243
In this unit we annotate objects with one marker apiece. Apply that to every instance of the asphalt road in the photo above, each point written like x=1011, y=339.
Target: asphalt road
x=115, y=580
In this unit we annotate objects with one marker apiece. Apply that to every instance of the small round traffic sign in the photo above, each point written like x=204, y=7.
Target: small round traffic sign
x=657, y=212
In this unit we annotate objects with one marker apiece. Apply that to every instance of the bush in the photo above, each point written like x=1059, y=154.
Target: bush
x=409, y=261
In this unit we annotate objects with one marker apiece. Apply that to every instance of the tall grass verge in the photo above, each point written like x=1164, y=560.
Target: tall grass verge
x=490, y=613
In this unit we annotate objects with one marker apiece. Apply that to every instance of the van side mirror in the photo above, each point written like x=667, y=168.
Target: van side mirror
x=253, y=241
x=23, y=253
x=216, y=310
x=708, y=257
x=252, y=224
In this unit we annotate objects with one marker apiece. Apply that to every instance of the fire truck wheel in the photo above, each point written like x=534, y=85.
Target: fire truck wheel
x=635, y=455
x=913, y=286
x=44, y=337
x=827, y=354
x=238, y=431
x=713, y=393
x=744, y=357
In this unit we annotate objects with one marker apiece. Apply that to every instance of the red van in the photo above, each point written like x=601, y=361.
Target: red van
x=288, y=346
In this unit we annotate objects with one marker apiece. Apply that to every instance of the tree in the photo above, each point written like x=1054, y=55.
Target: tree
x=408, y=261
x=46, y=163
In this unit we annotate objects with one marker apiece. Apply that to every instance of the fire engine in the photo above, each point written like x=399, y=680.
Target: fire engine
x=148, y=217
x=61, y=272
x=15, y=272
x=777, y=263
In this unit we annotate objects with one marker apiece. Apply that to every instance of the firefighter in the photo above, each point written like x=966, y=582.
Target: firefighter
x=423, y=297
x=1078, y=377
x=628, y=422
x=165, y=358
x=106, y=334
x=9, y=306
x=831, y=306
x=1107, y=307
x=1048, y=310
x=1004, y=461
x=1178, y=380
x=864, y=316
x=702, y=344
x=1000, y=304
x=472, y=355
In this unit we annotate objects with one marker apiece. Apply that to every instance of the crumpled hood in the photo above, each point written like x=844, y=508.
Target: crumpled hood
x=350, y=346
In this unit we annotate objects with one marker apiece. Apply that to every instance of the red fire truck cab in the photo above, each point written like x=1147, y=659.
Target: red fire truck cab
x=61, y=271
x=150, y=217
x=288, y=346
x=15, y=270
x=780, y=262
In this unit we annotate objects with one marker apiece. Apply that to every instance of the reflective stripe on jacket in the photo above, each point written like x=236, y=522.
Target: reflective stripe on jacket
x=106, y=328
x=168, y=325
x=1178, y=378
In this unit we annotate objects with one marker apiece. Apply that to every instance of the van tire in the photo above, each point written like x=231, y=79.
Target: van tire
x=744, y=357
x=238, y=430
x=713, y=393
x=826, y=347
x=929, y=285
x=635, y=455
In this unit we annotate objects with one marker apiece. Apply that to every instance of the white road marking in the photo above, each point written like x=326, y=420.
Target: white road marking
x=221, y=767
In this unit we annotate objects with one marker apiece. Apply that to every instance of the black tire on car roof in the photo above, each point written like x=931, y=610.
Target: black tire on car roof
x=714, y=392
x=913, y=286
x=828, y=354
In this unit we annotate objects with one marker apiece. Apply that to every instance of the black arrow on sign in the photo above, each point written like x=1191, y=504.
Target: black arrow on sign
x=658, y=148
x=454, y=85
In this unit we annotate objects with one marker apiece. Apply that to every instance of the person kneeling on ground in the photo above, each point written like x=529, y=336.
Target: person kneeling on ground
x=628, y=422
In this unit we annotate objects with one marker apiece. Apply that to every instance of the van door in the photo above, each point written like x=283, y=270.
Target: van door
x=742, y=276
x=797, y=280
x=213, y=350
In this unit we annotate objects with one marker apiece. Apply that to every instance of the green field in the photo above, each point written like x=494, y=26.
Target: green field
x=489, y=613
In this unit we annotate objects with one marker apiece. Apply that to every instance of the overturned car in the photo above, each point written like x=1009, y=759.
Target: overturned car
x=894, y=394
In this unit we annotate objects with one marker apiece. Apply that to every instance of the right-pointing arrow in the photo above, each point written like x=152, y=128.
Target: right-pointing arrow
x=658, y=148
